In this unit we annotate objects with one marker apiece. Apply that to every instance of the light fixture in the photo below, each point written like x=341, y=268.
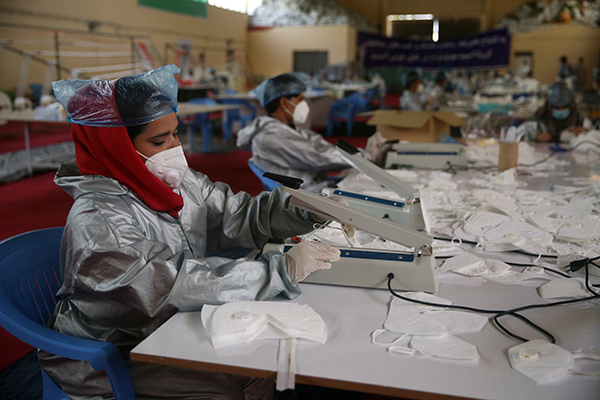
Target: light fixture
x=410, y=17
x=435, y=36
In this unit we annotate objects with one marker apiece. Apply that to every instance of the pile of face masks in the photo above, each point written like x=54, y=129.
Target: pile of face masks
x=427, y=330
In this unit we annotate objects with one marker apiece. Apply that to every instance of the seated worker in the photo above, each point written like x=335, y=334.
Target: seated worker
x=433, y=93
x=134, y=248
x=278, y=145
x=558, y=114
x=592, y=98
x=411, y=96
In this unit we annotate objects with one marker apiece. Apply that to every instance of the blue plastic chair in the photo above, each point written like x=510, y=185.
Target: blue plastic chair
x=29, y=279
x=269, y=184
x=345, y=110
x=202, y=121
x=243, y=115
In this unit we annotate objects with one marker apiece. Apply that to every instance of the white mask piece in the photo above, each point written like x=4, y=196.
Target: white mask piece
x=301, y=111
x=463, y=260
x=169, y=166
x=419, y=319
x=446, y=249
x=404, y=317
x=526, y=274
x=563, y=288
x=540, y=361
x=246, y=321
x=578, y=230
x=478, y=223
x=444, y=346
x=459, y=321
x=508, y=233
x=485, y=269
x=442, y=183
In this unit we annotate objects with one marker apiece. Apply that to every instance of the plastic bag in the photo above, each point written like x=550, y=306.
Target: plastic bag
x=126, y=101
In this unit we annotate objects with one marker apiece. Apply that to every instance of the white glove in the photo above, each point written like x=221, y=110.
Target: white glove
x=307, y=257
x=321, y=217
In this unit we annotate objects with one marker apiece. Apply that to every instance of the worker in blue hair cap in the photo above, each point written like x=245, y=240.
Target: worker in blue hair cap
x=559, y=114
x=278, y=145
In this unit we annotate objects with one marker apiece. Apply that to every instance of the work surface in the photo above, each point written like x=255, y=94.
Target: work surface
x=349, y=360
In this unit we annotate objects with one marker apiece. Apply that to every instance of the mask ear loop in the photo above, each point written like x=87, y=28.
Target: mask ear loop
x=316, y=226
x=375, y=334
x=402, y=350
x=579, y=354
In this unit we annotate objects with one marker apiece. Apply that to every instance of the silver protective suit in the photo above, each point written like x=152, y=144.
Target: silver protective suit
x=411, y=101
x=277, y=147
x=433, y=96
x=127, y=268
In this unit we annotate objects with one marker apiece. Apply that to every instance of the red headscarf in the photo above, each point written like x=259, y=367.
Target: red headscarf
x=109, y=152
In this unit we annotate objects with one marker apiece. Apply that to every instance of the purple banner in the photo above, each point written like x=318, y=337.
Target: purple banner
x=484, y=50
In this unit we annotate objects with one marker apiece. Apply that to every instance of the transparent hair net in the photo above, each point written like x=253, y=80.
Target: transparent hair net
x=289, y=84
x=127, y=101
x=559, y=95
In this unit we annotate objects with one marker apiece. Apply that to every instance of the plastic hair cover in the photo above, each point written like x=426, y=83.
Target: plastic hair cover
x=127, y=101
x=290, y=84
x=559, y=95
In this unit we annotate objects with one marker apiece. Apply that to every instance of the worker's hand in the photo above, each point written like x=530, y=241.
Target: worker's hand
x=544, y=137
x=577, y=130
x=308, y=257
x=322, y=217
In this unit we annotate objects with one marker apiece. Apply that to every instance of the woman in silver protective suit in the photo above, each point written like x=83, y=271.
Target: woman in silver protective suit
x=134, y=250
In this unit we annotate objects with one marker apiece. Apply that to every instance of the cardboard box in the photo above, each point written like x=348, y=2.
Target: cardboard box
x=414, y=126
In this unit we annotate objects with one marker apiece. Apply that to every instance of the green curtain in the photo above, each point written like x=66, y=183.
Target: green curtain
x=196, y=8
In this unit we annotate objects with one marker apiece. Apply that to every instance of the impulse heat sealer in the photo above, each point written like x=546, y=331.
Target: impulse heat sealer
x=426, y=155
x=407, y=212
x=414, y=270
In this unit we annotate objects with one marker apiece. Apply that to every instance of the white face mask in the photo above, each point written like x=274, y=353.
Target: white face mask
x=301, y=111
x=168, y=166
x=419, y=88
x=246, y=321
x=540, y=361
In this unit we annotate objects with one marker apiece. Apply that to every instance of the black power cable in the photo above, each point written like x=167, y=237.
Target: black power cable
x=513, y=312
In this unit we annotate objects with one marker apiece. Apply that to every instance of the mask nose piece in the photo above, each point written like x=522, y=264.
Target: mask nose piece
x=172, y=177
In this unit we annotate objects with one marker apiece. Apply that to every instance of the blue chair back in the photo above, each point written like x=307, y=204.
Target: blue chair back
x=269, y=184
x=345, y=109
x=29, y=280
x=243, y=115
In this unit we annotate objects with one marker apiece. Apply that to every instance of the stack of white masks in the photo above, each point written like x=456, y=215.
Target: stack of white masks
x=431, y=329
x=246, y=321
